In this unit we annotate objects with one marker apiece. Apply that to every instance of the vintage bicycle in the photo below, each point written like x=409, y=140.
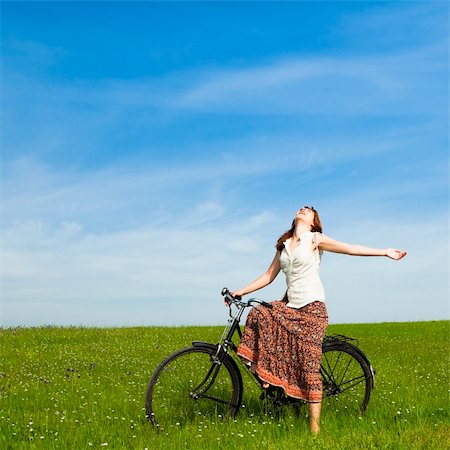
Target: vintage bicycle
x=205, y=378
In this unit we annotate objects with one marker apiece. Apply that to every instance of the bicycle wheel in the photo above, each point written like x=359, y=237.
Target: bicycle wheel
x=347, y=378
x=188, y=385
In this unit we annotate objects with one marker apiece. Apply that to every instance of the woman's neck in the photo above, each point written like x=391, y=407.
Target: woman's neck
x=300, y=229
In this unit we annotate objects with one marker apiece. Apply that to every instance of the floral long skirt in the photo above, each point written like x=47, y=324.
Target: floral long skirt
x=285, y=346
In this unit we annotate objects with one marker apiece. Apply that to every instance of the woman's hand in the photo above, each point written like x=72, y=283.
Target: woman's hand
x=393, y=253
x=233, y=294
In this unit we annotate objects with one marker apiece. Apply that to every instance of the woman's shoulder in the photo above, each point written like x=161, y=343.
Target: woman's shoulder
x=313, y=235
x=316, y=239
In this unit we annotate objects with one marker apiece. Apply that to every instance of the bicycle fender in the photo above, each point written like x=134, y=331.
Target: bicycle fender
x=204, y=344
x=362, y=354
x=366, y=359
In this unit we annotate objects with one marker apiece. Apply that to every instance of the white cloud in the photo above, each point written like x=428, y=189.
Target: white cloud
x=151, y=265
x=154, y=275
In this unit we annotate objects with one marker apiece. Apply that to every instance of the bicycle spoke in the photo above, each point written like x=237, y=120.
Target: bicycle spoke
x=345, y=371
x=330, y=371
x=360, y=378
x=363, y=379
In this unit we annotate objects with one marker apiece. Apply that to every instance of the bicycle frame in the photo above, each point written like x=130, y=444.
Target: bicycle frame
x=336, y=375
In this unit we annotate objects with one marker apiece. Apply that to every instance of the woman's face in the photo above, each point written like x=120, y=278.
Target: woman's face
x=305, y=215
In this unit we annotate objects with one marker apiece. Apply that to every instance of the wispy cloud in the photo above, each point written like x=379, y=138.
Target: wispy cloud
x=314, y=85
x=152, y=269
x=409, y=81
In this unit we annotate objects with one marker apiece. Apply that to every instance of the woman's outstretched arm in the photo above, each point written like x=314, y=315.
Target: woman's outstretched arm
x=265, y=279
x=330, y=245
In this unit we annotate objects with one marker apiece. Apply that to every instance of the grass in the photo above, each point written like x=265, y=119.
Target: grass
x=84, y=388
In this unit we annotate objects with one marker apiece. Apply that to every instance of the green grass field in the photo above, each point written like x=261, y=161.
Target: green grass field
x=81, y=388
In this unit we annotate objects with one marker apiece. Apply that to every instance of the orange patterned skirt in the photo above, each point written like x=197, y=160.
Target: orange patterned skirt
x=285, y=346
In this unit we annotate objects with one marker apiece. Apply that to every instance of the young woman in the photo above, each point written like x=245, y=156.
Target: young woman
x=283, y=344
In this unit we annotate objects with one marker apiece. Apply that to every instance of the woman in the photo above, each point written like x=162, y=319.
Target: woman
x=283, y=344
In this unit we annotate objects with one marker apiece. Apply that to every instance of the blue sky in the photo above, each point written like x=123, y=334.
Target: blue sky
x=152, y=153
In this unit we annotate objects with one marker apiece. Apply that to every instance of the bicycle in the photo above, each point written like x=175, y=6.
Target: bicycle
x=205, y=378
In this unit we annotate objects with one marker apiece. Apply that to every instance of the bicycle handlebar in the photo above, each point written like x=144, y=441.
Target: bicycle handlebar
x=237, y=300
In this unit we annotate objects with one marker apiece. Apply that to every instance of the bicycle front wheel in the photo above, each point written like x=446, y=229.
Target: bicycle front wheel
x=191, y=384
x=347, y=378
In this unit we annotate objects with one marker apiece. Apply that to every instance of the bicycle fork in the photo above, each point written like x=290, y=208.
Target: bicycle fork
x=208, y=381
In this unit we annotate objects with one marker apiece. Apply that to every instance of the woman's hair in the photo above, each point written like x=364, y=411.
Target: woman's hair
x=317, y=226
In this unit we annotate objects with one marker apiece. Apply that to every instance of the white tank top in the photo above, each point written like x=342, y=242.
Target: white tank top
x=302, y=272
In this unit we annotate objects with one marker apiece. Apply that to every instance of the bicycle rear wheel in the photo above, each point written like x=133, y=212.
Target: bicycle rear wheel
x=347, y=378
x=189, y=384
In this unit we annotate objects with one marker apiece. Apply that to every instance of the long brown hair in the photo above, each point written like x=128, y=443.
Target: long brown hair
x=317, y=226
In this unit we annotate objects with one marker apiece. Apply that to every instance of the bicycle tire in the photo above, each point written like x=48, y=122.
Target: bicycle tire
x=347, y=378
x=170, y=399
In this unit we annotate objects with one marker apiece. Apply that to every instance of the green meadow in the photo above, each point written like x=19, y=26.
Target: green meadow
x=82, y=388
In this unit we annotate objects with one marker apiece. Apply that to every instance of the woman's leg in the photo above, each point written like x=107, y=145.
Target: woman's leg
x=314, y=417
